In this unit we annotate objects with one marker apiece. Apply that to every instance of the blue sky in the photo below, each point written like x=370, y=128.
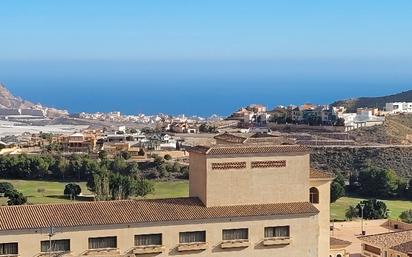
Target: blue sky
x=204, y=29
x=211, y=55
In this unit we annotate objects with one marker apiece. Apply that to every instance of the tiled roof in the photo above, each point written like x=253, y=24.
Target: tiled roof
x=399, y=241
x=230, y=138
x=256, y=138
x=317, y=174
x=135, y=211
x=248, y=149
x=404, y=247
x=338, y=243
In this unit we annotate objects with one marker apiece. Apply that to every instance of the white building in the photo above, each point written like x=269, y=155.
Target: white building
x=399, y=107
x=363, y=118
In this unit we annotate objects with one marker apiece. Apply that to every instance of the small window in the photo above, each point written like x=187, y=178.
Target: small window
x=339, y=255
x=55, y=245
x=9, y=248
x=192, y=237
x=148, y=239
x=102, y=242
x=281, y=231
x=235, y=234
x=314, y=195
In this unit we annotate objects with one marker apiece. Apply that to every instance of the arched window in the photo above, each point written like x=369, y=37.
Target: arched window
x=314, y=195
x=339, y=255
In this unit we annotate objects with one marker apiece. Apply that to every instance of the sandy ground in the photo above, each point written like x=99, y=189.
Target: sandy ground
x=350, y=230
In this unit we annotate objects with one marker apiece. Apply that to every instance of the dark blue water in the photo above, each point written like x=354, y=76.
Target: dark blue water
x=199, y=88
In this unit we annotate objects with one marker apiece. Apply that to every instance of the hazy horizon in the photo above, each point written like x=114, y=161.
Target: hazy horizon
x=202, y=57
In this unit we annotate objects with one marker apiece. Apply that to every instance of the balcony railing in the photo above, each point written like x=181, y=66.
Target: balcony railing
x=238, y=243
x=147, y=249
x=366, y=253
x=276, y=241
x=54, y=254
x=104, y=252
x=198, y=246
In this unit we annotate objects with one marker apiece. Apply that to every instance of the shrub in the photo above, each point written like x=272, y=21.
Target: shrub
x=72, y=190
x=373, y=209
x=406, y=216
x=351, y=213
x=5, y=187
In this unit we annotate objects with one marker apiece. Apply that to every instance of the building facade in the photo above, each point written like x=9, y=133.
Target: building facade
x=246, y=199
x=399, y=107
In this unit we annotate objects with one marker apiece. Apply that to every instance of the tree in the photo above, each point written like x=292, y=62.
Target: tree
x=125, y=155
x=119, y=165
x=102, y=155
x=409, y=190
x=15, y=198
x=351, y=213
x=141, y=152
x=158, y=160
x=336, y=191
x=337, y=188
x=144, y=187
x=373, y=209
x=378, y=182
x=72, y=190
x=406, y=216
x=98, y=182
x=5, y=187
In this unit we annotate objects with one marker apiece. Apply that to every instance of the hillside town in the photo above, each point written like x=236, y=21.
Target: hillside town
x=308, y=124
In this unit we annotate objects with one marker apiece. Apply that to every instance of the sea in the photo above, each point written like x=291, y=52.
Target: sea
x=200, y=87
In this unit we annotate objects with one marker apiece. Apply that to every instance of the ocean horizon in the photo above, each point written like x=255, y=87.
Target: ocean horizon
x=198, y=88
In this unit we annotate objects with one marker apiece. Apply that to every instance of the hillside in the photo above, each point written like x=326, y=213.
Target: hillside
x=349, y=159
x=8, y=100
x=397, y=129
x=377, y=102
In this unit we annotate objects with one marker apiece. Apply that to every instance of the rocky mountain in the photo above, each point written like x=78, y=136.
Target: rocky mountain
x=9, y=101
x=374, y=102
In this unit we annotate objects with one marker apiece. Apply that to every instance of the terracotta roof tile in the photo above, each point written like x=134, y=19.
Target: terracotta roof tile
x=135, y=211
x=248, y=149
x=338, y=243
x=404, y=247
x=317, y=174
x=230, y=138
x=399, y=241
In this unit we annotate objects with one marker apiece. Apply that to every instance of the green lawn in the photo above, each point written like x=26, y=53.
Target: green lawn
x=42, y=191
x=52, y=192
x=337, y=210
x=170, y=189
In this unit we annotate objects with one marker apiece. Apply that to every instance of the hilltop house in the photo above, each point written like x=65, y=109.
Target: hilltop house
x=78, y=143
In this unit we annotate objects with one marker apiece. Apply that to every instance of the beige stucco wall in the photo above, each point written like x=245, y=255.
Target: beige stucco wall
x=303, y=231
x=197, y=176
x=336, y=252
x=258, y=185
x=324, y=215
